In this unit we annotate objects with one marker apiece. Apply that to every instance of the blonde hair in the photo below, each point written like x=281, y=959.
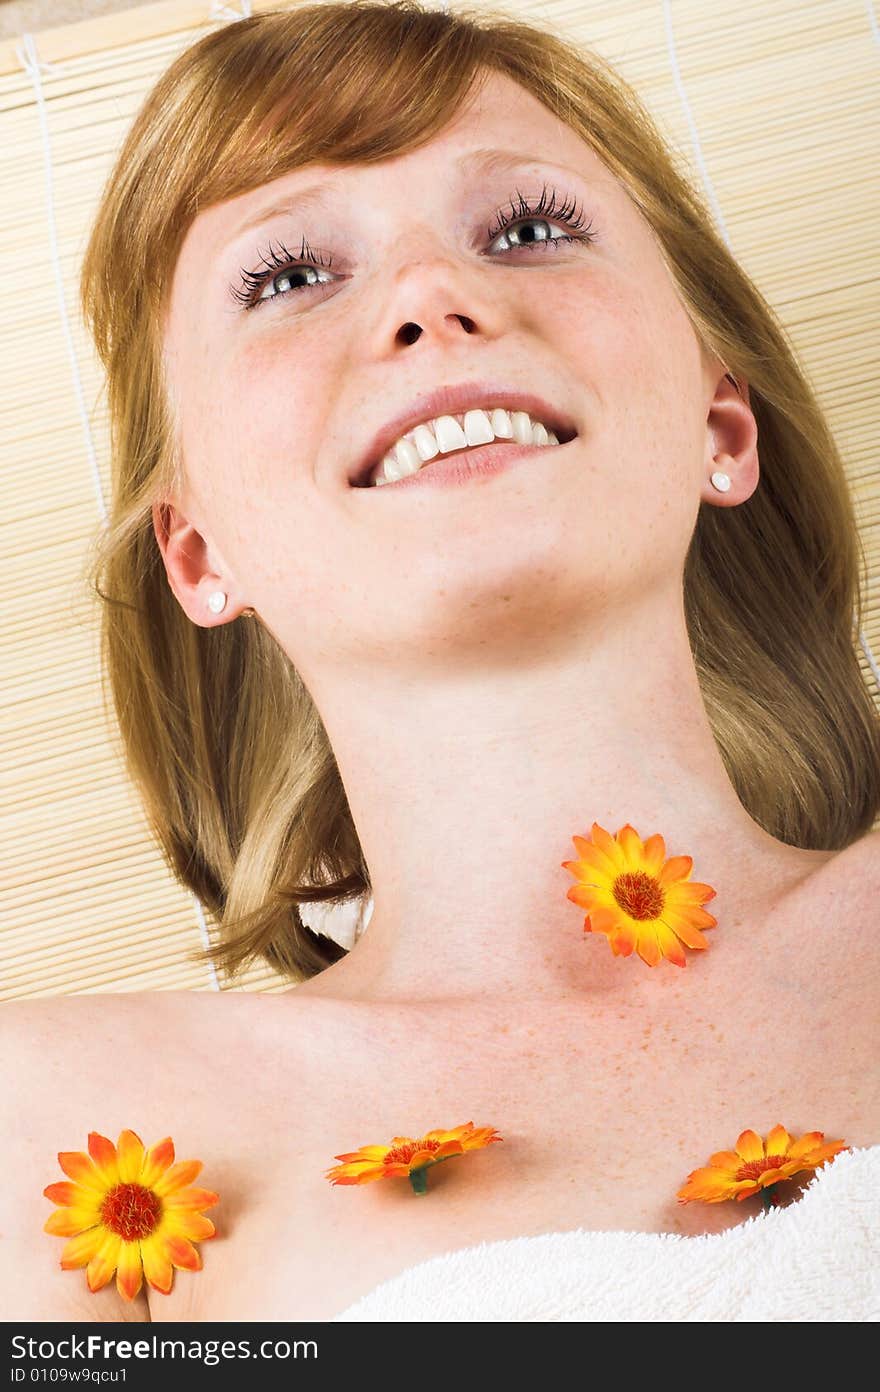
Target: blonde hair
x=770, y=586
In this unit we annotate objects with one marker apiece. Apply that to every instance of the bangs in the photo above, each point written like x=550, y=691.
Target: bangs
x=282, y=97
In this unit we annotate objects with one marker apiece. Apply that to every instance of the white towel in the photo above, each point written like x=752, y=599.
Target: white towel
x=814, y=1259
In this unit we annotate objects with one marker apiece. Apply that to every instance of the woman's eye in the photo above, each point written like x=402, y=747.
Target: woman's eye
x=512, y=231
x=281, y=266
x=311, y=274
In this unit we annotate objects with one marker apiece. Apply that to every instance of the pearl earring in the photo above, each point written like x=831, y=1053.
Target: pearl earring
x=216, y=601
x=721, y=481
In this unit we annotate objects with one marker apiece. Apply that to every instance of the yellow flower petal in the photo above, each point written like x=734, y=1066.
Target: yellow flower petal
x=181, y=1252
x=191, y=1198
x=649, y=948
x=81, y=1249
x=73, y=1195
x=103, y=1264
x=676, y=868
x=64, y=1222
x=157, y=1266
x=103, y=1153
x=82, y=1169
x=804, y=1144
x=683, y=926
x=631, y=844
x=606, y=842
x=655, y=854
x=177, y=1177
x=778, y=1141
x=669, y=944
x=750, y=1146
x=130, y=1150
x=156, y=1161
x=129, y=1273
x=594, y=856
x=186, y=1223
x=605, y=920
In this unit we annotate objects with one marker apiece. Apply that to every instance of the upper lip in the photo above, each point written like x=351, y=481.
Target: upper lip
x=451, y=401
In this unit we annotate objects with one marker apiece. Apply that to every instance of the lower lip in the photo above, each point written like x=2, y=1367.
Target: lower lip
x=447, y=470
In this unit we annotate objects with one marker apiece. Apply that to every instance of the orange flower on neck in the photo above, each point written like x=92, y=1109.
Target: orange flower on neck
x=755, y=1165
x=637, y=897
x=129, y=1211
x=409, y=1158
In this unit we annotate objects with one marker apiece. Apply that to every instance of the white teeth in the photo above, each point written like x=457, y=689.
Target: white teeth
x=477, y=428
x=446, y=433
x=522, y=427
x=501, y=424
x=450, y=435
x=407, y=460
x=425, y=443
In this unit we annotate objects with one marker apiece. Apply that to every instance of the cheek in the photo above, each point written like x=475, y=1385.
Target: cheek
x=638, y=359
x=267, y=474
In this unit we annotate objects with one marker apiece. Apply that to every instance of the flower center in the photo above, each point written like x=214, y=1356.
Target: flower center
x=401, y=1155
x=638, y=894
x=753, y=1169
x=131, y=1211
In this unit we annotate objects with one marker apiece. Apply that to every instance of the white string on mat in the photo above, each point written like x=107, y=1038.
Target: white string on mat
x=34, y=66
x=719, y=218
x=26, y=51
x=219, y=11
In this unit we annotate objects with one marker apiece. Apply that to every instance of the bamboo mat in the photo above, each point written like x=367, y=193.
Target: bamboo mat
x=773, y=104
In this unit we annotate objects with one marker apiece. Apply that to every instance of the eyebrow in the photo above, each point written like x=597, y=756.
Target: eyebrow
x=314, y=195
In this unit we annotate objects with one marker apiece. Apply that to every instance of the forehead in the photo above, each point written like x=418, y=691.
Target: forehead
x=498, y=115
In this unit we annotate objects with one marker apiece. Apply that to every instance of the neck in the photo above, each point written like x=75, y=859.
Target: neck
x=466, y=789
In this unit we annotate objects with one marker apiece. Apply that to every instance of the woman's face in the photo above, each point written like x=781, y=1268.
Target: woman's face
x=278, y=402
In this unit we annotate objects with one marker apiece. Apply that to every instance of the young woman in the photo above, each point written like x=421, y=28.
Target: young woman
x=344, y=669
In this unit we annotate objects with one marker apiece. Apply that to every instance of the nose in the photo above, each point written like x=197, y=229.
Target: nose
x=433, y=294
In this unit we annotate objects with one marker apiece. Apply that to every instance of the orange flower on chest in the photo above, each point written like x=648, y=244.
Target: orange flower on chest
x=754, y=1165
x=408, y=1157
x=638, y=898
x=129, y=1211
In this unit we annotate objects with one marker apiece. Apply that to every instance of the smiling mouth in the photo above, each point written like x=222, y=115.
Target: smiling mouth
x=473, y=462
x=369, y=478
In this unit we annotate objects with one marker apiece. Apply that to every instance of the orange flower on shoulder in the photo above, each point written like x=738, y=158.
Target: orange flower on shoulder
x=129, y=1211
x=755, y=1165
x=637, y=897
x=409, y=1158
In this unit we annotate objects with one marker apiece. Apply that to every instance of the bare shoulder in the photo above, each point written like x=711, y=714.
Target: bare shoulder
x=56, y=1067
x=835, y=938
x=854, y=878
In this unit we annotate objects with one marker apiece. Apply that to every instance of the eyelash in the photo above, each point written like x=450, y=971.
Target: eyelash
x=274, y=263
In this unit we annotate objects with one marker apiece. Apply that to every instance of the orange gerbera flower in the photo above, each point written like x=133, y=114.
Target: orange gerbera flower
x=129, y=1211
x=406, y=1157
x=756, y=1165
x=637, y=897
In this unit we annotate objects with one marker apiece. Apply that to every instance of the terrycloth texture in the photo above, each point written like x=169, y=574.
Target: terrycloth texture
x=816, y=1259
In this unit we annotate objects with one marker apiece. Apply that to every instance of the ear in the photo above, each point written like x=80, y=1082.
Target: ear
x=731, y=444
x=194, y=567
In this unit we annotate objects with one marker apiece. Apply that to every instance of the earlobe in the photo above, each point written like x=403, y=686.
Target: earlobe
x=733, y=446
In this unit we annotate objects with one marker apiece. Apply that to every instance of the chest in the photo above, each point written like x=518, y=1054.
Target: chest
x=600, y=1126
